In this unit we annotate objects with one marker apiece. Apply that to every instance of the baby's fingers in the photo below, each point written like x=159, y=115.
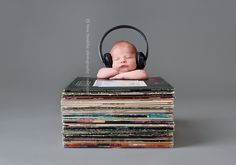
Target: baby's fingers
x=112, y=78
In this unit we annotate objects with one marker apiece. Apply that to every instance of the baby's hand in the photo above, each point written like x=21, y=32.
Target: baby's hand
x=132, y=75
x=106, y=73
x=119, y=76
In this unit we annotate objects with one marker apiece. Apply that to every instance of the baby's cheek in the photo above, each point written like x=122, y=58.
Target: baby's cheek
x=115, y=66
x=133, y=65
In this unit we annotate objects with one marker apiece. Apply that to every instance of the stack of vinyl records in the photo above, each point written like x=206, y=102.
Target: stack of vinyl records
x=98, y=113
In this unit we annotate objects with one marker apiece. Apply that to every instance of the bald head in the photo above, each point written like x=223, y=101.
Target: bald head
x=123, y=45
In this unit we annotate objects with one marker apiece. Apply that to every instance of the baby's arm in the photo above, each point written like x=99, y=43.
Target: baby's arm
x=106, y=73
x=132, y=75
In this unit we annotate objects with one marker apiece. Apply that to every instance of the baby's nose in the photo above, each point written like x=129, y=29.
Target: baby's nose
x=122, y=59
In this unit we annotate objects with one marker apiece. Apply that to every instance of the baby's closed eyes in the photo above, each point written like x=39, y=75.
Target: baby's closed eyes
x=126, y=57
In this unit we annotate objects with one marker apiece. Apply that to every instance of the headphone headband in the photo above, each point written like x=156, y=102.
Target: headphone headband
x=120, y=27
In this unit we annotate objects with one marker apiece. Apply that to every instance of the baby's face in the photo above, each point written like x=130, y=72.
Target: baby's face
x=124, y=58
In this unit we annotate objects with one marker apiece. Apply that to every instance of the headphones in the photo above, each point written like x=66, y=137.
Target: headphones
x=140, y=57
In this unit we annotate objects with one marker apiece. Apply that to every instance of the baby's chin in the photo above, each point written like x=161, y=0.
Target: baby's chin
x=122, y=70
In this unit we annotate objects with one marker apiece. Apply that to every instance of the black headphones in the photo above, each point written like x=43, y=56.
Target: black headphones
x=140, y=57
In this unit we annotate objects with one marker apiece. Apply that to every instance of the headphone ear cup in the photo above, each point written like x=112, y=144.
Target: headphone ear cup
x=108, y=60
x=141, y=60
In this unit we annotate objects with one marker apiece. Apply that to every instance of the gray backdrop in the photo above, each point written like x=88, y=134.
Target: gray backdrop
x=43, y=46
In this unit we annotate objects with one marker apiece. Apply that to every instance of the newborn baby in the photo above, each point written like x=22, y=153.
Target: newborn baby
x=123, y=63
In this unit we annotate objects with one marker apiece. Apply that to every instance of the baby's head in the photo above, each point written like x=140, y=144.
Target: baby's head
x=123, y=56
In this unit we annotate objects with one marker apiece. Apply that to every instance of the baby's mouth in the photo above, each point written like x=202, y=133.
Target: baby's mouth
x=123, y=66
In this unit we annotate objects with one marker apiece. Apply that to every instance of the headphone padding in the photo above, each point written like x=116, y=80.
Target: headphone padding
x=108, y=60
x=141, y=60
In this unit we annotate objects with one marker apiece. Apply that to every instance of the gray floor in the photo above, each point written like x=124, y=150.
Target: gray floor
x=30, y=134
